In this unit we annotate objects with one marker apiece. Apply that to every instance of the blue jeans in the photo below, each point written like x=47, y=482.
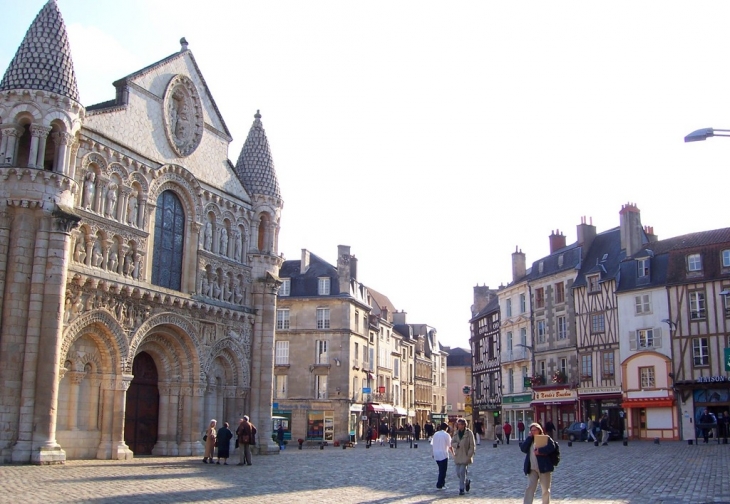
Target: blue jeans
x=443, y=465
x=461, y=470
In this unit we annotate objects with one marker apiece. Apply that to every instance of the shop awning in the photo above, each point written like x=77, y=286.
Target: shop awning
x=356, y=407
x=648, y=402
x=371, y=376
x=538, y=403
x=380, y=408
x=400, y=411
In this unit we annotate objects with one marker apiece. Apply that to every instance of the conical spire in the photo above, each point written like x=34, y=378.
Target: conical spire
x=43, y=60
x=255, y=167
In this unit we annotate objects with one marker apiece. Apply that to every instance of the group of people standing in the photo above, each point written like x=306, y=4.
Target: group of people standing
x=461, y=445
x=221, y=439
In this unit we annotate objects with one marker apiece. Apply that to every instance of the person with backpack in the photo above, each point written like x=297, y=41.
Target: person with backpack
x=540, y=462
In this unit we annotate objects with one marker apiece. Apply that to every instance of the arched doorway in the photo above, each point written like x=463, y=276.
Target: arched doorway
x=143, y=400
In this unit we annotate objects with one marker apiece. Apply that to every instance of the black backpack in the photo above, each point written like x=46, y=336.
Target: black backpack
x=555, y=455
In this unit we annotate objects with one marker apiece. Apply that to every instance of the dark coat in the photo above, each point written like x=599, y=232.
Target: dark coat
x=544, y=463
x=224, y=442
x=246, y=429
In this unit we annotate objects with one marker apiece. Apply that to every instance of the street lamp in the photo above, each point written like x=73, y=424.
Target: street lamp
x=703, y=134
x=672, y=325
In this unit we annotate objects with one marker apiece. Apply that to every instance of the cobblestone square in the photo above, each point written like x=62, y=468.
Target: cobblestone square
x=645, y=473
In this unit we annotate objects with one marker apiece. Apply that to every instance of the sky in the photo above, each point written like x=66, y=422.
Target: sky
x=434, y=138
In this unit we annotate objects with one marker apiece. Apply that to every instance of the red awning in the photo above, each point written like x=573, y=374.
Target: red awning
x=542, y=403
x=648, y=402
x=371, y=376
x=380, y=408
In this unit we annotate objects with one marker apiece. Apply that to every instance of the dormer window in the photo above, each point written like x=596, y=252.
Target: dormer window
x=324, y=286
x=642, y=266
x=593, y=283
x=694, y=262
x=285, y=289
x=726, y=258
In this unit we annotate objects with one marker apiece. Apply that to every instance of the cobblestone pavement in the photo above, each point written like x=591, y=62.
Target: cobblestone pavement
x=641, y=472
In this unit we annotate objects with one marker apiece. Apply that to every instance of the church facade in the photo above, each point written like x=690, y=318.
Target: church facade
x=138, y=265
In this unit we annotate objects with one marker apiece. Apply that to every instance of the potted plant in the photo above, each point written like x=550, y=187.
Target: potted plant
x=559, y=377
x=537, y=380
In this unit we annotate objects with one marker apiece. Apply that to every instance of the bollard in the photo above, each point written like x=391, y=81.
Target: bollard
x=690, y=442
x=626, y=442
x=656, y=440
x=494, y=445
x=415, y=445
x=595, y=443
x=570, y=443
x=321, y=446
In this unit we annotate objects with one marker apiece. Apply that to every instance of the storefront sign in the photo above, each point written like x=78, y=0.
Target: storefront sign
x=552, y=395
x=711, y=379
x=524, y=398
x=600, y=390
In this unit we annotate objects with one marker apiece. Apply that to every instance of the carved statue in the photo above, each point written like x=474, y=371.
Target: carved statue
x=67, y=311
x=213, y=281
x=113, y=261
x=223, y=250
x=96, y=256
x=216, y=288
x=238, y=292
x=111, y=200
x=132, y=209
x=204, y=287
x=80, y=251
x=89, y=190
x=237, y=246
x=76, y=308
x=208, y=245
x=129, y=264
x=228, y=291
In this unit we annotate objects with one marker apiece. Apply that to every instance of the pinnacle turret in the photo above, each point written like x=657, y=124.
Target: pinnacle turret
x=43, y=60
x=255, y=166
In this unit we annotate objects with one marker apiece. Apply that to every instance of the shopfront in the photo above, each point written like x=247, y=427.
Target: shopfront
x=712, y=393
x=378, y=414
x=517, y=409
x=594, y=402
x=557, y=404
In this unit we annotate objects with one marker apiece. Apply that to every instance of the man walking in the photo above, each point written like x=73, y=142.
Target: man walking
x=605, y=430
x=246, y=433
x=463, y=446
x=507, y=431
x=441, y=444
x=520, y=431
x=590, y=429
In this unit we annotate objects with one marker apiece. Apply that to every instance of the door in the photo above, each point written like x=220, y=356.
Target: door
x=143, y=399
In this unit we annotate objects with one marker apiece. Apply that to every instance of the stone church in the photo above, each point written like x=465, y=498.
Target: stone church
x=138, y=264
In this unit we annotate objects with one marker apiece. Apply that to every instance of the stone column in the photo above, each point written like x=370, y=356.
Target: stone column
x=120, y=450
x=163, y=432
x=75, y=378
x=9, y=144
x=63, y=141
x=104, y=450
x=142, y=211
x=41, y=134
x=93, y=420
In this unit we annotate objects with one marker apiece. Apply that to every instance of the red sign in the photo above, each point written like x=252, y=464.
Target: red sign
x=381, y=390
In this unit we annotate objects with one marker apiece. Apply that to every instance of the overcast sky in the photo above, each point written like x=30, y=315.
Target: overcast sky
x=435, y=137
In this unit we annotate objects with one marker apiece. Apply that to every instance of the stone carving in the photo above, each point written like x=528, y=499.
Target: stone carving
x=237, y=246
x=80, y=251
x=113, y=261
x=223, y=250
x=204, y=285
x=132, y=209
x=217, y=291
x=208, y=244
x=239, y=292
x=183, y=115
x=96, y=256
x=129, y=264
x=89, y=190
x=111, y=200
x=213, y=281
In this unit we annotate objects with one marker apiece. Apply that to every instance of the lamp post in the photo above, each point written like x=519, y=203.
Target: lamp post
x=703, y=134
x=532, y=368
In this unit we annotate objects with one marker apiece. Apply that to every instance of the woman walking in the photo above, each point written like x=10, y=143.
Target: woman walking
x=538, y=464
x=210, y=435
x=224, y=443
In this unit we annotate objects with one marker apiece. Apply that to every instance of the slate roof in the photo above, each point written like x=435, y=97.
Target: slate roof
x=603, y=257
x=43, y=60
x=551, y=263
x=628, y=278
x=458, y=357
x=307, y=284
x=492, y=306
x=255, y=166
x=382, y=301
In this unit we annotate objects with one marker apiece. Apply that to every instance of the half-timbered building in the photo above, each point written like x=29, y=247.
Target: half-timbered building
x=485, y=350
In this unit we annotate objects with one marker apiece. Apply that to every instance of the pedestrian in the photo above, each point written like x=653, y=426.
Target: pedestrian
x=724, y=426
x=383, y=432
x=507, y=430
x=550, y=428
x=583, y=432
x=538, y=465
x=209, y=437
x=463, y=447
x=706, y=421
x=417, y=431
x=224, y=443
x=478, y=431
x=429, y=430
x=280, y=434
x=369, y=435
x=441, y=446
x=605, y=429
x=589, y=430
x=246, y=433
x=520, y=431
x=498, y=432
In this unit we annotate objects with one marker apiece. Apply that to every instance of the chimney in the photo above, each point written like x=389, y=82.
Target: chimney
x=343, y=268
x=586, y=234
x=353, y=267
x=305, y=262
x=631, y=229
x=482, y=295
x=557, y=241
x=519, y=265
x=399, y=317
x=649, y=232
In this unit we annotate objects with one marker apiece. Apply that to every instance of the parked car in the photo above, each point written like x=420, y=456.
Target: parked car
x=573, y=432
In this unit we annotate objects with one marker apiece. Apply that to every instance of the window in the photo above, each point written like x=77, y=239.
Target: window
x=523, y=303
x=562, y=327
x=508, y=307
x=564, y=366
x=694, y=262
x=321, y=352
x=396, y=368
x=541, y=331
x=285, y=289
x=357, y=321
x=365, y=354
x=697, y=305
x=511, y=381
x=324, y=286
x=643, y=304
x=646, y=377
x=559, y=293
x=593, y=283
x=642, y=267
x=598, y=323
x=509, y=341
x=645, y=338
x=586, y=367
x=167, y=257
x=726, y=258
x=541, y=367
x=700, y=354
x=323, y=318
x=282, y=318
x=725, y=300
x=320, y=385
x=371, y=362
x=356, y=353
x=282, y=353
x=523, y=336
x=281, y=386
x=608, y=365
x=540, y=298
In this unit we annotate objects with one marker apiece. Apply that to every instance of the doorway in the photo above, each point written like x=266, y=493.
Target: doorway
x=143, y=400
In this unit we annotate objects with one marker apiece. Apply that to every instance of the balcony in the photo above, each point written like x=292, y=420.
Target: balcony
x=516, y=354
x=382, y=398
